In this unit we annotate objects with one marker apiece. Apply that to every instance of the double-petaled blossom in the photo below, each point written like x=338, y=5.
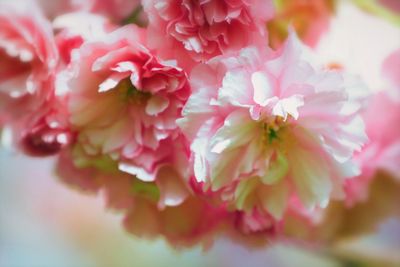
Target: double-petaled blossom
x=270, y=131
x=123, y=102
x=204, y=29
x=28, y=69
x=255, y=144
x=28, y=56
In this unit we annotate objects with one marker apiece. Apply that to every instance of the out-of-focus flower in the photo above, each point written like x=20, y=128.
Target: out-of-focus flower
x=256, y=221
x=28, y=69
x=48, y=132
x=28, y=55
x=339, y=221
x=204, y=29
x=310, y=19
x=192, y=222
x=123, y=103
x=272, y=132
x=391, y=73
x=382, y=152
x=79, y=27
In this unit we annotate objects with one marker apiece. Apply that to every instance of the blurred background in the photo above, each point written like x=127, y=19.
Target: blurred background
x=44, y=223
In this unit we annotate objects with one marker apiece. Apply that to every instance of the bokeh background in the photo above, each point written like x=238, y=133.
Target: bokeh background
x=44, y=223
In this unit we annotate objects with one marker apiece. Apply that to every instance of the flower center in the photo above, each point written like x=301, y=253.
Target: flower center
x=271, y=129
x=129, y=93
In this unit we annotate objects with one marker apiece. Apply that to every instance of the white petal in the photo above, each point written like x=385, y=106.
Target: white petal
x=111, y=82
x=274, y=199
x=288, y=106
x=237, y=130
x=172, y=189
x=139, y=172
x=236, y=89
x=125, y=66
x=262, y=87
x=311, y=177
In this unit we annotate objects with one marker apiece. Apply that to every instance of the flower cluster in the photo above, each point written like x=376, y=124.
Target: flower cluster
x=194, y=117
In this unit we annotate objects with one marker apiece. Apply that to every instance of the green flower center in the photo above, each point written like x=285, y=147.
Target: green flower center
x=129, y=93
x=272, y=129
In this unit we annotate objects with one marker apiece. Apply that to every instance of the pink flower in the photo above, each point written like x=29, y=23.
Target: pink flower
x=270, y=132
x=123, y=103
x=28, y=54
x=79, y=27
x=47, y=132
x=382, y=117
x=204, y=29
x=28, y=69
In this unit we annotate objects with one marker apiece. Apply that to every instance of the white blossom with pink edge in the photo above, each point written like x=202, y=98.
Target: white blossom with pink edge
x=269, y=131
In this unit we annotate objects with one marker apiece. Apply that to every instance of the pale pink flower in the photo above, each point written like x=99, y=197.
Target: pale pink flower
x=391, y=74
x=123, y=103
x=382, y=120
x=204, y=29
x=267, y=132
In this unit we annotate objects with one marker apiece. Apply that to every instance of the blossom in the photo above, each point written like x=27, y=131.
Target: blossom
x=28, y=54
x=76, y=28
x=382, y=151
x=204, y=29
x=28, y=69
x=268, y=131
x=123, y=102
x=142, y=204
